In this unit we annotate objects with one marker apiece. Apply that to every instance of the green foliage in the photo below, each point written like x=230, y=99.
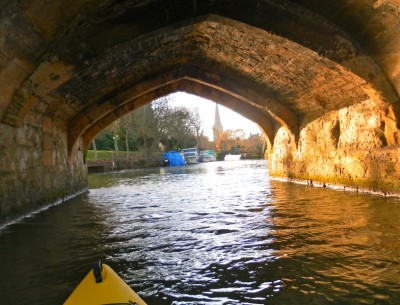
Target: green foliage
x=235, y=142
x=144, y=129
x=109, y=155
x=104, y=141
x=101, y=155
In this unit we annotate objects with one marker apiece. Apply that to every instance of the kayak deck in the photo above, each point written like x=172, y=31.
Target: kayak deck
x=102, y=286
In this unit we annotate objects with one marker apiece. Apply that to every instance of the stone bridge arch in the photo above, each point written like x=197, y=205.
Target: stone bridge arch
x=312, y=74
x=256, y=114
x=201, y=52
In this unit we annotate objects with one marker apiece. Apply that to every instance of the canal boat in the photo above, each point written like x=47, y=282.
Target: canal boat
x=103, y=286
x=207, y=156
x=191, y=155
x=172, y=158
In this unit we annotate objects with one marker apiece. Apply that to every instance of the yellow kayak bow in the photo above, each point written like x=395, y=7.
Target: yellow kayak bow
x=102, y=286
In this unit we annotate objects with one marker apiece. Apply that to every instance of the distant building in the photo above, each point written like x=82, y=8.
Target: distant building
x=217, y=128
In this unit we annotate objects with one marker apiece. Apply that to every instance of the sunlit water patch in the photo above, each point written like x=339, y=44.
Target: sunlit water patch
x=216, y=233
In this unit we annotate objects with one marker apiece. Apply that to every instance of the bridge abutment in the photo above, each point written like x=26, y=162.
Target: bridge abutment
x=35, y=168
x=352, y=147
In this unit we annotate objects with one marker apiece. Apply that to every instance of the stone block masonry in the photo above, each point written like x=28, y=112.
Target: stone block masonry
x=35, y=169
x=345, y=148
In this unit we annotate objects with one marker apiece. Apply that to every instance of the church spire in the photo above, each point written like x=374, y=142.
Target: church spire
x=217, y=128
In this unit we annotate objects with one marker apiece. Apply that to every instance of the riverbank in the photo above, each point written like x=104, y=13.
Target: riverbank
x=108, y=161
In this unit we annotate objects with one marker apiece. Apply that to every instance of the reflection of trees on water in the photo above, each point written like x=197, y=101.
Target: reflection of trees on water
x=342, y=231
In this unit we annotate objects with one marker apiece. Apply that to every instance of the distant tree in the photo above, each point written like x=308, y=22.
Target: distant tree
x=115, y=126
x=126, y=124
x=234, y=142
x=205, y=143
x=144, y=128
x=197, y=124
x=154, y=125
x=104, y=140
x=161, y=111
x=230, y=140
x=178, y=132
x=253, y=146
x=95, y=149
x=175, y=125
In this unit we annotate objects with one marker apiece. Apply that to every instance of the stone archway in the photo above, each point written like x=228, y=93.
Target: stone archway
x=255, y=114
x=309, y=73
x=186, y=55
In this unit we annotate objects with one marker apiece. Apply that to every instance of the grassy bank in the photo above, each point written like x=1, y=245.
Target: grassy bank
x=110, y=155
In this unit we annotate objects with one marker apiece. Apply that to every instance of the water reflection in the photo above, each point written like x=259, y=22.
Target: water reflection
x=40, y=255
x=217, y=233
x=332, y=237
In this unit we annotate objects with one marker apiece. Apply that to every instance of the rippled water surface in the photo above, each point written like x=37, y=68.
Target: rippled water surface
x=216, y=233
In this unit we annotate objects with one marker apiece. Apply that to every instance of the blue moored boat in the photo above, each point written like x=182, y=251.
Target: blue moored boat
x=173, y=158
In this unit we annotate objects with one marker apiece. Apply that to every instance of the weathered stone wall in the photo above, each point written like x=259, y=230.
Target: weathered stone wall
x=353, y=146
x=34, y=166
x=305, y=65
x=350, y=147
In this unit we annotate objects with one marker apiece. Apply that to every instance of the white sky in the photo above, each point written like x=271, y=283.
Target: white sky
x=229, y=118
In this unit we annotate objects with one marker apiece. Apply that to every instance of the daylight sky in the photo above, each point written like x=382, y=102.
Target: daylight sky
x=229, y=118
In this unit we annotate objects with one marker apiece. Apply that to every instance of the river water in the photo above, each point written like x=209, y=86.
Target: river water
x=216, y=233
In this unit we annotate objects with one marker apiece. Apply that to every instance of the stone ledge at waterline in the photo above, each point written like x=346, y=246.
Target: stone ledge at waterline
x=348, y=186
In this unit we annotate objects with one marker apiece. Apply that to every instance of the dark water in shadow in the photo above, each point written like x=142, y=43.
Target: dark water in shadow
x=217, y=233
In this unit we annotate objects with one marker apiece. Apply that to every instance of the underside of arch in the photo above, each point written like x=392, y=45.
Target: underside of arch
x=255, y=114
x=264, y=71
x=283, y=77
